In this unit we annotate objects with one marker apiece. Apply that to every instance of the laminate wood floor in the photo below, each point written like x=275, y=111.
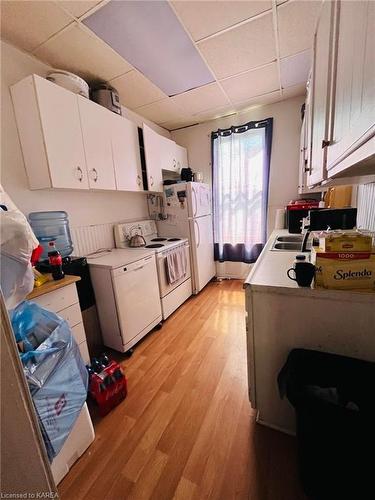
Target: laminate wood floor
x=186, y=429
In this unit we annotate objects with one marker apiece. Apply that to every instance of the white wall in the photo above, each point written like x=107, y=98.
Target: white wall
x=84, y=208
x=285, y=147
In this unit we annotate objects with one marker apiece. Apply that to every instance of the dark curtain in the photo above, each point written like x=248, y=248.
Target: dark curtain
x=241, y=158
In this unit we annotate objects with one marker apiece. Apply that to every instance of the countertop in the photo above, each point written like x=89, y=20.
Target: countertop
x=271, y=266
x=118, y=257
x=269, y=273
x=52, y=285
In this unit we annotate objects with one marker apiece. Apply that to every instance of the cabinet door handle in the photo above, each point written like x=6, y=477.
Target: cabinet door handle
x=80, y=174
x=95, y=177
x=151, y=180
x=139, y=180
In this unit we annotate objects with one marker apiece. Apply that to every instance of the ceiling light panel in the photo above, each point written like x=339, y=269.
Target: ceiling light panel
x=149, y=36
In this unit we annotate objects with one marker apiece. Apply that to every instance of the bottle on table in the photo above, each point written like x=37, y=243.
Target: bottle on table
x=55, y=261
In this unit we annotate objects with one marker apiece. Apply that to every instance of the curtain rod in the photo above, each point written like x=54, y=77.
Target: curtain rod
x=241, y=128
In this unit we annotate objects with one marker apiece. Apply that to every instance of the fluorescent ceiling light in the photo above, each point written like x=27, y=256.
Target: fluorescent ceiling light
x=151, y=38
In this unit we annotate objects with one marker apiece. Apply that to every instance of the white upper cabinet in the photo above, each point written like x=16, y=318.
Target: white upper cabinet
x=168, y=154
x=96, y=131
x=154, y=150
x=126, y=154
x=353, y=114
x=181, y=157
x=49, y=128
x=174, y=157
x=321, y=75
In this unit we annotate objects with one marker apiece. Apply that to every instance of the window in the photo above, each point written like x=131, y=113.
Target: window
x=241, y=161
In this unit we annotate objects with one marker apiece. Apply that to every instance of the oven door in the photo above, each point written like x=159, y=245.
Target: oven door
x=165, y=287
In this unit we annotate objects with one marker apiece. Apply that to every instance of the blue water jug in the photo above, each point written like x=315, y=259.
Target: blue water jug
x=52, y=226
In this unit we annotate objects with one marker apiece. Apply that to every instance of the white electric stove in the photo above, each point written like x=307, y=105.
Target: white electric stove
x=171, y=295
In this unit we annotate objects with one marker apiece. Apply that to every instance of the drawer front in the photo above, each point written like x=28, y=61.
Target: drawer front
x=84, y=352
x=72, y=315
x=79, y=333
x=59, y=299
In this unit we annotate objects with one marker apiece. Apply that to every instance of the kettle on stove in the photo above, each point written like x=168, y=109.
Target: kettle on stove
x=136, y=240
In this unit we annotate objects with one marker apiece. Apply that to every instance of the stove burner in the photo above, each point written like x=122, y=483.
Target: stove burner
x=154, y=245
x=159, y=239
x=174, y=239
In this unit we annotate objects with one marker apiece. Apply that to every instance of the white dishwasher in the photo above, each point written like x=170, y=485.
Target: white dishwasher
x=127, y=295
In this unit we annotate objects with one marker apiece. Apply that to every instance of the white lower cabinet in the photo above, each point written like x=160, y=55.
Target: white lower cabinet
x=79, y=439
x=64, y=302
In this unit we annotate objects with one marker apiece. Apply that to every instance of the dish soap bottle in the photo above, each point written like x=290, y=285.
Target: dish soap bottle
x=55, y=261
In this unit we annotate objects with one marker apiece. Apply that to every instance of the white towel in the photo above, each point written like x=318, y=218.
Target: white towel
x=176, y=265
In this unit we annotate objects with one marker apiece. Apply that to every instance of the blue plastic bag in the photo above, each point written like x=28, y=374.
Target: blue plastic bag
x=55, y=372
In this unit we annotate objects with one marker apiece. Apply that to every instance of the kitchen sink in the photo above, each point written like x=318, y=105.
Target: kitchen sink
x=292, y=243
x=290, y=239
x=292, y=247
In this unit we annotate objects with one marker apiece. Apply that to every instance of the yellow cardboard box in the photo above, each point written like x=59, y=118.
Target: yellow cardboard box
x=350, y=241
x=344, y=270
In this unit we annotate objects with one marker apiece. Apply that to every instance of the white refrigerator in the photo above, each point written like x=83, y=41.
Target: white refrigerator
x=189, y=215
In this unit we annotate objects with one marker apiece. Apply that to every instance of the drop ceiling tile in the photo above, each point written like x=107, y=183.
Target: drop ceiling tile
x=295, y=69
x=252, y=83
x=214, y=113
x=28, y=24
x=206, y=17
x=76, y=50
x=242, y=48
x=200, y=99
x=294, y=91
x=296, y=23
x=260, y=100
x=162, y=111
x=175, y=124
x=136, y=90
x=78, y=7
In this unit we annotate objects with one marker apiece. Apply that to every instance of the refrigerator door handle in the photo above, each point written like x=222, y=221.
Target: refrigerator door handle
x=199, y=234
x=195, y=205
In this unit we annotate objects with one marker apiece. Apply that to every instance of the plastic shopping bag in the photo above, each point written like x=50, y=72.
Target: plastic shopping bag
x=17, y=242
x=55, y=372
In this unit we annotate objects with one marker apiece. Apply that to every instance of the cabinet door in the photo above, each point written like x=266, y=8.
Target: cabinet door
x=181, y=157
x=321, y=77
x=62, y=135
x=96, y=132
x=168, y=155
x=153, y=154
x=126, y=154
x=354, y=86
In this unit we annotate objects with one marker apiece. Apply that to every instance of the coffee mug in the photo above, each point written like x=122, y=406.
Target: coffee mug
x=303, y=273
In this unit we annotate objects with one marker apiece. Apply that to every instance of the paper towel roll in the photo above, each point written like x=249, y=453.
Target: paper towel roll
x=280, y=218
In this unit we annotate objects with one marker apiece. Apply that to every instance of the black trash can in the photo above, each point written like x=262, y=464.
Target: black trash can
x=334, y=401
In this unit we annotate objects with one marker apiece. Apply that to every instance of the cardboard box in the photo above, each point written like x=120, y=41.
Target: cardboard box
x=346, y=242
x=344, y=270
